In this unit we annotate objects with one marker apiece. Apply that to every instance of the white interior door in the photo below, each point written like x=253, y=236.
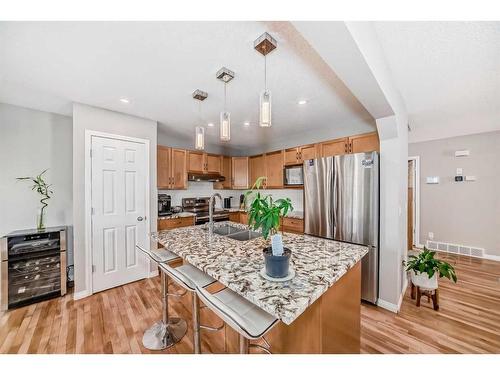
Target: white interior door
x=119, y=183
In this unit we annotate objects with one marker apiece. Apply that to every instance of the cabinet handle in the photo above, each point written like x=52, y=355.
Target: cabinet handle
x=345, y=148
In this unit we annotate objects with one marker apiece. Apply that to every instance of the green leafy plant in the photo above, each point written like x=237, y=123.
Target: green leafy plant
x=425, y=262
x=263, y=212
x=44, y=190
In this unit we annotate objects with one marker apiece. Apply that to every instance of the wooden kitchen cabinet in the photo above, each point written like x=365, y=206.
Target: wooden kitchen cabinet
x=257, y=168
x=171, y=168
x=201, y=162
x=234, y=217
x=274, y=162
x=213, y=163
x=244, y=218
x=226, y=171
x=297, y=155
x=163, y=167
x=334, y=147
x=180, y=222
x=364, y=143
x=239, y=176
x=292, y=225
x=196, y=161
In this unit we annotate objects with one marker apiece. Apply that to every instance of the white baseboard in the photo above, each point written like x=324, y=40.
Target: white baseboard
x=82, y=294
x=492, y=257
x=388, y=306
x=153, y=273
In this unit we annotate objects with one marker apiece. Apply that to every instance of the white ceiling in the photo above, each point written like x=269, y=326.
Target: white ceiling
x=448, y=74
x=157, y=65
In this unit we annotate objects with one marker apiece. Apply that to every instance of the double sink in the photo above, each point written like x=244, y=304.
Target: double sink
x=234, y=232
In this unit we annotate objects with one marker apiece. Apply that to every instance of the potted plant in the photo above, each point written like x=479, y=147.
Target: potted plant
x=425, y=270
x=43, y=189
x=266, y=213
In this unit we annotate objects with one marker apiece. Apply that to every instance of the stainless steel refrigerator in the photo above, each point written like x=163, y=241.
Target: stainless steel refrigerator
x=341, y=202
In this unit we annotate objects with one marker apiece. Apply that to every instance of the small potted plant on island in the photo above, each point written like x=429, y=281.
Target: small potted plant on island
x=266, y=213
x=424, y=272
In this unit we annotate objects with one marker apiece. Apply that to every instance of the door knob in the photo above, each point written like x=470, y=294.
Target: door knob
x=140, y=218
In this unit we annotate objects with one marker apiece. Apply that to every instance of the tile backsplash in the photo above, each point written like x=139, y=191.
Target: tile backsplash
x=205, y=189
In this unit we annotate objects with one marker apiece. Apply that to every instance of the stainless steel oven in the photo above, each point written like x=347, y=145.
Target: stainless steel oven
x=293, y=175
x=199, y=206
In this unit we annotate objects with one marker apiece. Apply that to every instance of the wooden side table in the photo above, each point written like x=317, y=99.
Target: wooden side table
x=430, y=293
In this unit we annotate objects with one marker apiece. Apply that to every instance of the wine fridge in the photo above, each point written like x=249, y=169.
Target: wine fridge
x=33, y=266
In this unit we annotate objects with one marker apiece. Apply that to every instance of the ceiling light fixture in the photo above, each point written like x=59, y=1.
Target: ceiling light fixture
x=265, y=44
x=225, y=75
x=246, y=123
x=124, y=100
x=199, y=131
x=301, y=102
x=210, y=124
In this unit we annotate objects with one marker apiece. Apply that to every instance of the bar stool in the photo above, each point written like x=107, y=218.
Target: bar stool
x=190, y=278
x=169, y=330
x=250, y=321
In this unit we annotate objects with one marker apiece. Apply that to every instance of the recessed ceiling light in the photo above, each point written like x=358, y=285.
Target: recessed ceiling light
x=125, y=100
x=210, y=125
x=246, y=123
x=301, y=102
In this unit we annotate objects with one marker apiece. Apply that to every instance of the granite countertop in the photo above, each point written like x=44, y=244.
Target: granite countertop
x=177, y=216
x=318, y=264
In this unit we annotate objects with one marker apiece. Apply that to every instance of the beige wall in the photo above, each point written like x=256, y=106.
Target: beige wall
x=466, y=213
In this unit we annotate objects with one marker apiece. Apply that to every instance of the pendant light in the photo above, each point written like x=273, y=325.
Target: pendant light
x=265, y=44
x=199, y=131
x=225, y=75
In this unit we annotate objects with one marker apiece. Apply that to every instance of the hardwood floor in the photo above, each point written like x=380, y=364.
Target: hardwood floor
x=113, y=321
x=468, y=320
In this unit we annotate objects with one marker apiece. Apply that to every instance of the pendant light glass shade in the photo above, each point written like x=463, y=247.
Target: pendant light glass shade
x=265, y=109
x=199, y=138
x=225, y=126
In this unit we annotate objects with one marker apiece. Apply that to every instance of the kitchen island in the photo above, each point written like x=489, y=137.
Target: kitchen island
x=319, y=309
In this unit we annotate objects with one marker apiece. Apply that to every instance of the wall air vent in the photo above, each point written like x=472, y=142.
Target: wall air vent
x=455, y=249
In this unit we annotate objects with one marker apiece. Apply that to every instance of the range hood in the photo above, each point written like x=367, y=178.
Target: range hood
x=210, y=177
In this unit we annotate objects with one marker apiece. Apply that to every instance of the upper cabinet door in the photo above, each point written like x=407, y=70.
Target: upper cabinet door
x=334, y=147
x=196, y=162
x=213, y=163
x=274, y=169
x=240, y=173
x=163, y=179
x=307, y=152
x=178, y=169
x=257, y=169
x=292, y=156
x=226, y=172
x=364, y=143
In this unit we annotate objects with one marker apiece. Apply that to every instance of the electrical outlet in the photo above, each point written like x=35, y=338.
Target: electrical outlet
x=431, y=235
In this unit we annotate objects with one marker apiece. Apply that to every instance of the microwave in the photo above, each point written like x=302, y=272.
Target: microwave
x=293, y=175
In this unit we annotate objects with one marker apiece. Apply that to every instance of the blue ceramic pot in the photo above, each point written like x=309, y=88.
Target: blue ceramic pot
x=277, y=266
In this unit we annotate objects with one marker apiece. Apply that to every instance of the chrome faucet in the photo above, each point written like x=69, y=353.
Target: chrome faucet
x=211, y=212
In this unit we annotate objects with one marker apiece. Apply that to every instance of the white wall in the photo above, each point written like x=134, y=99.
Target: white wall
x=92, y=118
x=31, y=141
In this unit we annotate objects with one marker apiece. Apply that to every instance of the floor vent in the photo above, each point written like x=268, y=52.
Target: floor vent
x=455, y=249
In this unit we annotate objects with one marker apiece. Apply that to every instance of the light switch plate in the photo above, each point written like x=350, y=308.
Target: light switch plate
x=459, y=172
x=432, y=180
x=470, y=178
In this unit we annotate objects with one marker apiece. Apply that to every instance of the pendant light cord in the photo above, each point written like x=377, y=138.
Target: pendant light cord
x=225, y=84
x=265, y=73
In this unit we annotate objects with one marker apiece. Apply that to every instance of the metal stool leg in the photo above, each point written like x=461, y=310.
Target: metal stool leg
x=168, y=331
x=196, y=324
x=244, y=345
